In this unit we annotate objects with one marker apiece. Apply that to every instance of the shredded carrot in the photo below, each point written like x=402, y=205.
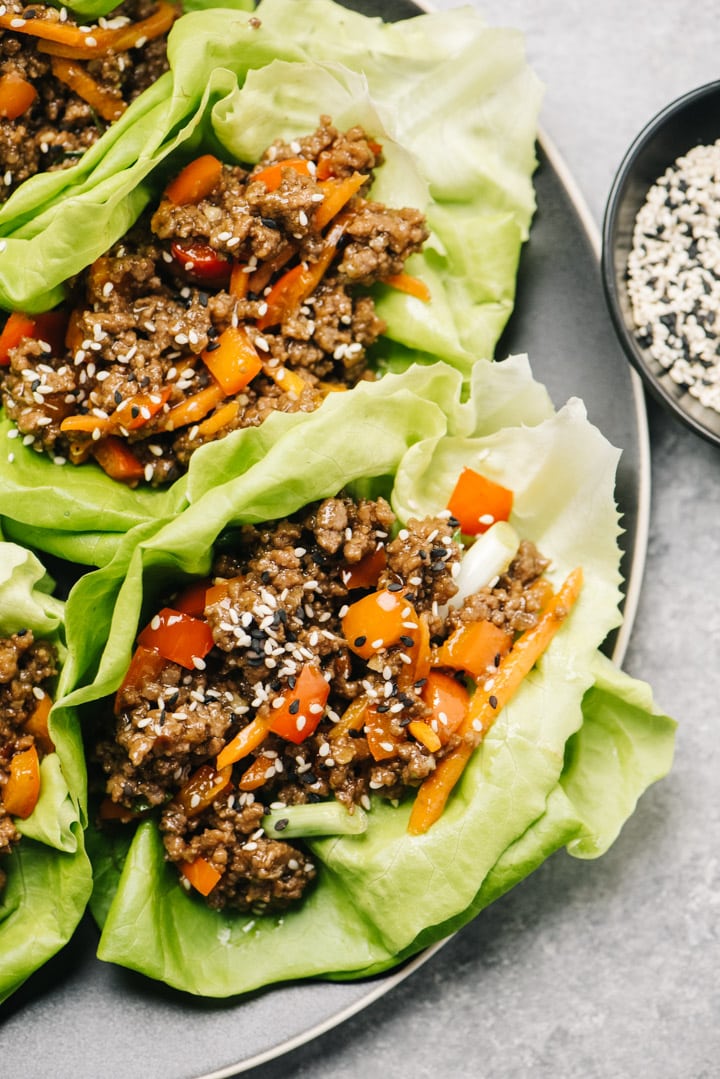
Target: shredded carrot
x=195, y=181
x=239, y=281
x=485, y=706
x=262, y=276
x=292, y=289
x=65, y=39
x=248, y=739
x=414, y=286
x=193, y=408
x=107, y=105
x=352, y=719
x=257, y=774
x=424, y=734
x=202, y=788
x=272, y=175
x=222, y=417
x=382, y=742
x=337, y=193
x=365, y=573
x=16, y=95
x=202, y=875
x=288, y=381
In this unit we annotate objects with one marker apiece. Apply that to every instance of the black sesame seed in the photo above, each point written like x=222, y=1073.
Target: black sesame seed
x=408, y=642
x=492, y=701
x=203, y=299
x=394, y=587
x=294, y=707
x=212, y=345
x=360, y=641
x=281, y=825
x=382, y=707
x=270, y=223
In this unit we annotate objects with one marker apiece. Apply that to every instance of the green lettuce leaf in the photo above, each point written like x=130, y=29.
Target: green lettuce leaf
x=49, y=879
x=232, y=88
x=562, y=766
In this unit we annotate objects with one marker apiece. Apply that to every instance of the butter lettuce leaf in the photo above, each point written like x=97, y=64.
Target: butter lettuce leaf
x=454, y=104
x=48, y=873
x=562, y=766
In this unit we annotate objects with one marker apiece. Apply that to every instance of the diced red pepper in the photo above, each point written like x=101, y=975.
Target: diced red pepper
x=145, y=666
x=478, y=502
x=178, y=637
x=201, y=263
x=49, y=327
x=302, y=707
x=191, y=600
x=118, y=460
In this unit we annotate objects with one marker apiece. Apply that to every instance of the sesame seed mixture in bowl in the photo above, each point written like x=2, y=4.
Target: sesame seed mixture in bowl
x=63, y=81
x=661, y=258
x=243, y=293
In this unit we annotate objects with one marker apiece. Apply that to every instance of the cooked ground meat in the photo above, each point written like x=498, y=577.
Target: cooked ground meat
x=278, y=608
x=58, y=125
x=26, y=667
x=246, y=273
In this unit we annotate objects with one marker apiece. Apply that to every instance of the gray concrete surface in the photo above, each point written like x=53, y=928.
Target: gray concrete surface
x=611, y=968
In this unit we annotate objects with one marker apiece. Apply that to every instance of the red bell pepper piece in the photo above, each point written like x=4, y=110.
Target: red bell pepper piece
x=302, y=707
x=178, y=637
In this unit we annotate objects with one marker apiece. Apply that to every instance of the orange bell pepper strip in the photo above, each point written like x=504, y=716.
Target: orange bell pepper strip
x=476, y=648
x=352, y=719
x=114, y=811
x=201, y=874
x=262, y=276
x=271, y=175
x=337, y=193
x=413, y=286
x=244, y=742
x=22, y=789
x=222, y=417
x=366, y=572
x=484, y=707
x=193, y=408
x=146, y=666
x=424, y=734
x=37, y=724
x=239, y=284
x=131, y=414
x=202, y=788
x=65, y=39
x=301, y=707
x=382, y=742
x=477, y=502
x=178, y=637
x=194, y=182
x=74, y=75
x=16, y=95
x=289, y=382
x=419, y=653
x=448, y=701
x=292, y=289
x=118, y=460
x=232, y=360
x=377, y=621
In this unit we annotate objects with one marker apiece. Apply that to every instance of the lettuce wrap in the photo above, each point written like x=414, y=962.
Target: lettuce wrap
x=235, y=84
x=563, y=764
x=48, y=872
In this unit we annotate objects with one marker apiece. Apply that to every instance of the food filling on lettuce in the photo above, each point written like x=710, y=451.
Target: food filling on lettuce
x=330, y=655
x=27, y=669
x=65, y=78
x=245, y=292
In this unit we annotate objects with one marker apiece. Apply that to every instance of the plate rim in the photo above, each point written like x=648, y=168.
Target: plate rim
x=631, y=589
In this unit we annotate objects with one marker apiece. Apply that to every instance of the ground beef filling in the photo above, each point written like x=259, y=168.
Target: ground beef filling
x=280, y=594
x=59, y=125
x=149, y=318
x=26, y=667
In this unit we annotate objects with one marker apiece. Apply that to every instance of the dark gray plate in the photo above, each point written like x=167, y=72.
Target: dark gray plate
x=82, y=1018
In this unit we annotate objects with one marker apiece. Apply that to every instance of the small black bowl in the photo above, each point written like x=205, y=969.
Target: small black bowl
x=692, y=120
